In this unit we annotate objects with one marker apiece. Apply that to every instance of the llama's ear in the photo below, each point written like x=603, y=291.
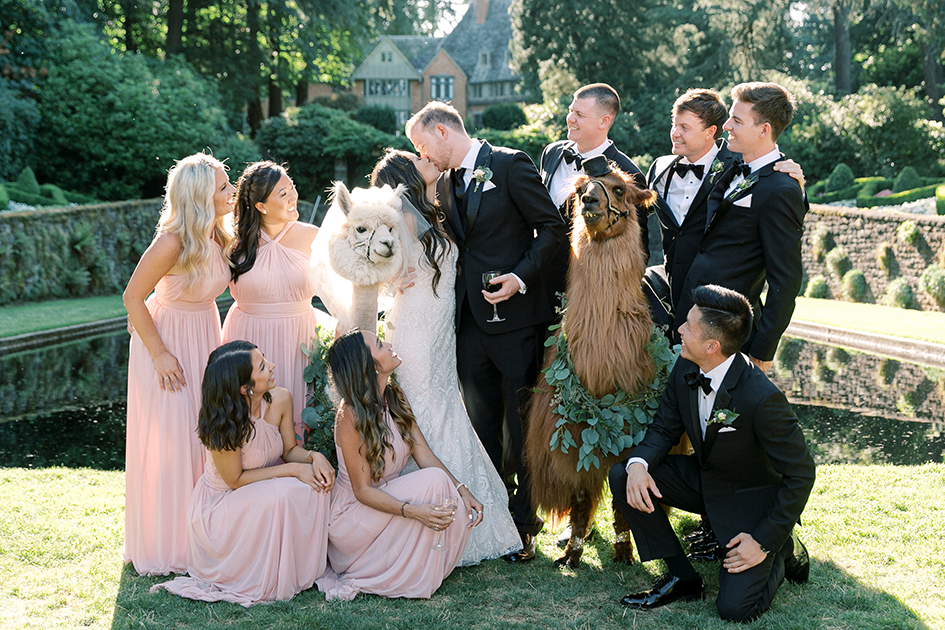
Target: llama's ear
x=343, y=197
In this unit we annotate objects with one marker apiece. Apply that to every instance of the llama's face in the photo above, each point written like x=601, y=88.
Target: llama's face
x=607, y=203
x=366, y=249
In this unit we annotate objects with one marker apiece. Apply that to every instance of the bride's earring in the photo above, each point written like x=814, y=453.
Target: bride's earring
x=250, y=392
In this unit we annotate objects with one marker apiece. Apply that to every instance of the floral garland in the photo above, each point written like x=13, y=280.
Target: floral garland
x=615, y=422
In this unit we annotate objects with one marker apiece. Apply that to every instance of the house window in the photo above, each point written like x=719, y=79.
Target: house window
x=387, y=56
x=484, y=59
x=497, y=89
x=402, y=117
x=476, y=90
x=441, y=88
x=387, y=87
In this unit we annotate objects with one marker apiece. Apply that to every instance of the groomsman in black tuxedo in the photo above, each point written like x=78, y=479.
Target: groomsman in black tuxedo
x=750, y=471
x=755, y=220
x=683, y=181
x=501, y=218
x=590, y=116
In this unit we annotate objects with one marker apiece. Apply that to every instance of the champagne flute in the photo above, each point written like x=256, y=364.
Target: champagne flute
x=444, y=503
x=488, y=286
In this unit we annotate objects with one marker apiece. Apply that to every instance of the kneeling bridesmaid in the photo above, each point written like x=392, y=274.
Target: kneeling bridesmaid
x=390, y=535
x=258, y=526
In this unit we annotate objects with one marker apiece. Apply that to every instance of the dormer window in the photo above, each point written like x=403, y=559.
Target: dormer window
x=387, y=56
x=484, y=59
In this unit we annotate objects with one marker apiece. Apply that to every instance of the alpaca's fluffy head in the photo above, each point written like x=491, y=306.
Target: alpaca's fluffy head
x=366, y=247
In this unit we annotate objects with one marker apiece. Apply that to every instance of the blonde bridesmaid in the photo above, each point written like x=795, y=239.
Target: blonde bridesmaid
x=174, y=331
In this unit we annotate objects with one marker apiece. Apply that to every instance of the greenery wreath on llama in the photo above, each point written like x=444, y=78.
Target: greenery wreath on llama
x=614, y=422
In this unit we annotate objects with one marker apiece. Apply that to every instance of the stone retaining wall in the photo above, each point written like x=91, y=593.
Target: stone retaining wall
x=859, y=232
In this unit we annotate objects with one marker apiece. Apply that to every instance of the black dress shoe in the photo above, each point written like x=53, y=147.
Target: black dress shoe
x=667, y=590
x=797, y=564
x=699, y=533
x=704, y=545
x=526, y=554
x=706, y=556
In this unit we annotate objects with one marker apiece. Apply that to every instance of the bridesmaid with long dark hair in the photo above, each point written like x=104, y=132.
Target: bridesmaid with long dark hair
x=174, y=331
x=389, y=534
x=272, y=283
x=259, y=514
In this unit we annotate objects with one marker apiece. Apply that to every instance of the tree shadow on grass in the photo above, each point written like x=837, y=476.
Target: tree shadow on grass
x=495, y=594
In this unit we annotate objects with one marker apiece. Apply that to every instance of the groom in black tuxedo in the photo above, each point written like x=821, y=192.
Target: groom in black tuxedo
x=755, y=220
x=501, y=218
x=590, y=116
x=750, y=472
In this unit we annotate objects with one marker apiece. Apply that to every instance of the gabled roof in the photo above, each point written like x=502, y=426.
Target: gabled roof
x=469, y=39
x=419, y=49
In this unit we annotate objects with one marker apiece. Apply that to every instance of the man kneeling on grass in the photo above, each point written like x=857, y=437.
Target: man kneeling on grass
x=751, y=472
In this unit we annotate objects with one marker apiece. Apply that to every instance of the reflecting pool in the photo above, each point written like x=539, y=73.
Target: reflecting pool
x=65, y=405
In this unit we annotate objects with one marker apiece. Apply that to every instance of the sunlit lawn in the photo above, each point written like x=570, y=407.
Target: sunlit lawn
x=875, y=533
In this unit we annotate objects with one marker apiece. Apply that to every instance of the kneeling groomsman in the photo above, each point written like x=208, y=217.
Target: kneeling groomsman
x=750, y=472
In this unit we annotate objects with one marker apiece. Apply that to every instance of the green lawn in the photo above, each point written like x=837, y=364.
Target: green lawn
x=885, y=320
x=875, y=534
x=36, y=316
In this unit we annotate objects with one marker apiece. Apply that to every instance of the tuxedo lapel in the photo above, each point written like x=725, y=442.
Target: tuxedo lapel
x=475, y=189
x=554, y=159
x=690, y=417
x=723, y=400
x=444, y=194
x=725, y=203
x=663, y=211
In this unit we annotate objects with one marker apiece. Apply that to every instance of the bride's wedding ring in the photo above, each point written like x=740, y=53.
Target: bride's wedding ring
x=436, y=527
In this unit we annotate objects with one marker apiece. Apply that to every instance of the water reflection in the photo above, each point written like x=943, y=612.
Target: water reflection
x=65, y=405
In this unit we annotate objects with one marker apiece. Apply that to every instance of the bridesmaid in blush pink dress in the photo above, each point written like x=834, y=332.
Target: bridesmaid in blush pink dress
x=272, y=281
x=383, y=527
x=174, y=331
x=258, y=526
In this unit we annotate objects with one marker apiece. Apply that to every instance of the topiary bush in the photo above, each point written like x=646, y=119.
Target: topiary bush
x=899, y=294
x=817, y=288
x=821, y=241
x=384, y=119
x=907, y=179
x=840, y=178
x=27, y=183
x=933, y=283
x=855, y=288
x=908, y=232
x=504, y=116
x=838, y=262
x=885, y=257
x=940, y=199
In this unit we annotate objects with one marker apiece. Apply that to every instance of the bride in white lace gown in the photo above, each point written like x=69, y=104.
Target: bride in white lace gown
x=420, y=325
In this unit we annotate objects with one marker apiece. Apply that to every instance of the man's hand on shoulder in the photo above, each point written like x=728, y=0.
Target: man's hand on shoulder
x=764, y=366
x=639, y=486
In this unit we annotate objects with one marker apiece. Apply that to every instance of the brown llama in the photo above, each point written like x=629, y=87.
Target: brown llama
x=607, y=327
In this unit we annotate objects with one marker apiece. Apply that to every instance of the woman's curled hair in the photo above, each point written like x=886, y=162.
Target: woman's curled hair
x=255, y=185
x=223, y=423
x=355, y=379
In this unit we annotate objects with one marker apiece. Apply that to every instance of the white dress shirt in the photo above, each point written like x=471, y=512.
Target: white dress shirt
x=563, y=179
x=682, y=190
x=754, y=165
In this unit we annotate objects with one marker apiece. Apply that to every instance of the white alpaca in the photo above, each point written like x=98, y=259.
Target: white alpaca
x=366, y=248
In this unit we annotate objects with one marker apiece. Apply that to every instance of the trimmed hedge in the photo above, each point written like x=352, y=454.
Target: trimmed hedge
x=866, y=199
x=940, y=199
x=67, y=252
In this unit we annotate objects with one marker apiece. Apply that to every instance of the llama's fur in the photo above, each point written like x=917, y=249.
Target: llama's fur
x=366, y=248
x=607, y=325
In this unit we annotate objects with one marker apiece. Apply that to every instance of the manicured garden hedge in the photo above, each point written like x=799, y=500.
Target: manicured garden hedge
x=73, y=252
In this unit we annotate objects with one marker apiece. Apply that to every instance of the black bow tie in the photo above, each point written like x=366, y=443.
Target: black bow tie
x=459, y=183
x=697, y=169
x=570, y=155
x=697, y=380
x=741, y=168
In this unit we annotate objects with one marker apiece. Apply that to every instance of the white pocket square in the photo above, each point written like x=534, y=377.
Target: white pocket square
x=745, y=202
x=726, y=429
x=488, y=186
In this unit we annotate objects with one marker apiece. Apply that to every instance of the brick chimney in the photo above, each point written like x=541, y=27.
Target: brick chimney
x=482, y=9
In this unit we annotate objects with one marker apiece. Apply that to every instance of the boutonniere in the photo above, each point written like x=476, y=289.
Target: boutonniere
x=715, y=169
x=725, y=417
x=745, y=184
x=482, y=174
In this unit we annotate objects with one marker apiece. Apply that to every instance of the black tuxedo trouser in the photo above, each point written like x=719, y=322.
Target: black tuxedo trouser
x=742, y=596
x=496, y=373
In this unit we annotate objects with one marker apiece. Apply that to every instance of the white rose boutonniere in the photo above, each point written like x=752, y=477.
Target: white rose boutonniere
x=482, y=174
x=744, y=185
x=724, y=417
x=715, y=169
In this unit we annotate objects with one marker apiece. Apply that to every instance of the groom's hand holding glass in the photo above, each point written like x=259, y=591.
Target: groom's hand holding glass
x=508, y=286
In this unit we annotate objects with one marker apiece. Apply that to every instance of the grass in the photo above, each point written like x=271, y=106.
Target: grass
x=35, y=316
x=873, y=318
x=874, y=534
